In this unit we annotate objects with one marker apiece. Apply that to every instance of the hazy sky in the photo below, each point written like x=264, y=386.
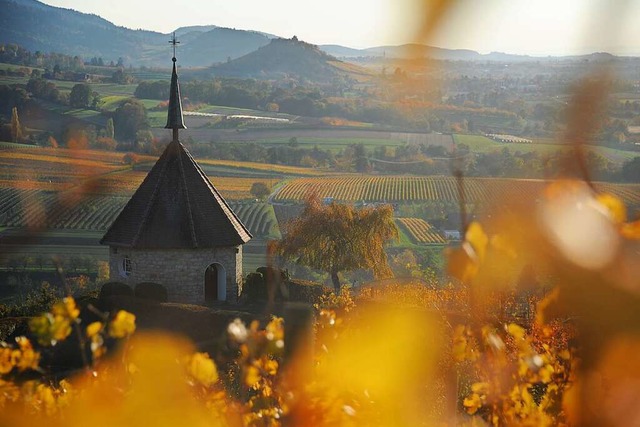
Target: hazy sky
x=537, y=27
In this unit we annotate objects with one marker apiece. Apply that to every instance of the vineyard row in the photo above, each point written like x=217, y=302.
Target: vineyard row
x=396, y=189
x=75, y=211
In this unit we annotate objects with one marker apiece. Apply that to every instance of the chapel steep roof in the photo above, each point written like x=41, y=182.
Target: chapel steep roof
x=176, y=207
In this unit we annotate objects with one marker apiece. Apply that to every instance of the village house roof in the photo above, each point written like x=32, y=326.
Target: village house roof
x=176, y=206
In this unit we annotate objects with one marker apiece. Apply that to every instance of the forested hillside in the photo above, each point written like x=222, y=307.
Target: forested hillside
x=39, y=27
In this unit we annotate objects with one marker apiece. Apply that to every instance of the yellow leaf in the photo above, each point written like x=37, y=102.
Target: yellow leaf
x=275, y=329
x=614, y=207
x=202, y=369
x=60, y=329
x=472, y=404
x=29, y=359
x=45, y=396
x=527, y=399
x=93, y=329
x=252, y=376
x=271, y=367
x=546, y=374
x=122, y=325
x=516, y=331
x=478, y=239
x=66, y=308
x=6, y=361
x=523, y=368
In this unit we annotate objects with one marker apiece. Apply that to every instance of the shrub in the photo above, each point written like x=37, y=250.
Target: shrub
x=254, y=287
x=131, y=159
x=115, y=288
x=259, y=190
x=151, y=291
x=305, y=291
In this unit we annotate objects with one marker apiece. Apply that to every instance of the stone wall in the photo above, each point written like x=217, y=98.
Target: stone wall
x=180, y=271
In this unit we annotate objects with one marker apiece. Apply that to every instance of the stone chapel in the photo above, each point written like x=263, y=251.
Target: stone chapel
x=177, y=230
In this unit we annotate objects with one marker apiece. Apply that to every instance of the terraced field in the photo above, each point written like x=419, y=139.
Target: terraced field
x=264, y=167
x=102, y=172
x=28, y=167
x=420, y=231
x=126, y=182
x=397, y=189
x=46, y=188
x=96, y=212
x=259, y=218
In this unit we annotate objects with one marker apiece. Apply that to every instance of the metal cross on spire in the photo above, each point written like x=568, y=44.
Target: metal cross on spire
x=174, y=41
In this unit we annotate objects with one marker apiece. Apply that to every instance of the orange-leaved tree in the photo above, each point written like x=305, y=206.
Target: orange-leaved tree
x=338, y=237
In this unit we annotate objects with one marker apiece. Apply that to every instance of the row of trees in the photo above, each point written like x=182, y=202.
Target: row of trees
x=290, y=154
x=424, y=159
x=128, y=124
x=15, y=54
x=99, y=62
x=303, y=101
x=433, y=160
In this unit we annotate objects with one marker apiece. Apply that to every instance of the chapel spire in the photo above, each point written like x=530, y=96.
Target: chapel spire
x=175, y=120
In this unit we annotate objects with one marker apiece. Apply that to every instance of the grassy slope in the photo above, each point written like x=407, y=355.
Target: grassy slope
x=482, y=144
x=334, y=144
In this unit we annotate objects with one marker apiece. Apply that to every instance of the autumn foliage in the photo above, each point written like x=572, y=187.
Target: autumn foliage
x=535, y=323
x=338, y=237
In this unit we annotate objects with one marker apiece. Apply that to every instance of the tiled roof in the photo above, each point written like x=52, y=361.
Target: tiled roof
x=176, y=206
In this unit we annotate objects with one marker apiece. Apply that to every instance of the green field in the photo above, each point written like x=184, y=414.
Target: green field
x=333, y=144
x=480, y=118
x=111, y=102
x=84, y=114
x=157, y=119
x=105, y=89
x=482, y=144
x=6, y=66
x=152, y=75
x=403, y=239
x=216, y=170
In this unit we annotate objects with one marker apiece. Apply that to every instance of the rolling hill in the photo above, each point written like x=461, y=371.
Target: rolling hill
x=415, y=50
x=283, y=58
x=40, y=27
x=218, y=45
